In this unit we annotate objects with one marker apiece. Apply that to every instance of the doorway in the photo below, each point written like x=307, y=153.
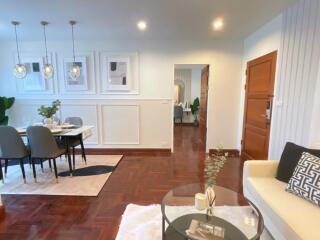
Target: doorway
x=190, y=102
x=258, y=107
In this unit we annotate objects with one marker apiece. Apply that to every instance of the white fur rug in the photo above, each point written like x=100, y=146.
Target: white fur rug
x=46, y=182
x=144, y=222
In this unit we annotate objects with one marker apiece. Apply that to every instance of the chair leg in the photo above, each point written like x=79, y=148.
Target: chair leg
x=5, y=167
x=34, y=170
x=74, y=158
x=55, y=169
x=41, y=163
x=30, y=162
x=22, y=169
x=1, y=174
x=83, y=151
x=50, y=164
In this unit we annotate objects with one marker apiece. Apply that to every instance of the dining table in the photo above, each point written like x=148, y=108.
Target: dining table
x=66, y=132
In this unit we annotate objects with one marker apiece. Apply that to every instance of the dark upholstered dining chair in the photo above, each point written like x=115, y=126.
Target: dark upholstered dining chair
x=12, y=148
x=178, y=113
x=76, y=141
x=43, y=146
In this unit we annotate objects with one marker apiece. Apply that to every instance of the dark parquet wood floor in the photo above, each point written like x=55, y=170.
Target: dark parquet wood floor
x=138, y=179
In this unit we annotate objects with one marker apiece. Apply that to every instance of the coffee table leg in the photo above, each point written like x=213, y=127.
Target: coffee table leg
x=163, y=229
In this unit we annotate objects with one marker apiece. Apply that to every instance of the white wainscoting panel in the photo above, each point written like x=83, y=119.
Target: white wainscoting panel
x=89, y=115
x=120, y=124
x=297, y=76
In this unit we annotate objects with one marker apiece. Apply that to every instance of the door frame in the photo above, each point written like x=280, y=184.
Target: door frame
x=208, y=100
x=273, y=54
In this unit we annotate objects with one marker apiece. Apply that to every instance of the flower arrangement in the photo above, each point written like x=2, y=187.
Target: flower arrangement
x=213, y=165
x=48, y=112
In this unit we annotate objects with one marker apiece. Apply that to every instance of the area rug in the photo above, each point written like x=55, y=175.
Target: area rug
x=88, y=180
x=144, y=222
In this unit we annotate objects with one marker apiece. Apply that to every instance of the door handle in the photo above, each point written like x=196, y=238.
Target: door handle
x=268, y=114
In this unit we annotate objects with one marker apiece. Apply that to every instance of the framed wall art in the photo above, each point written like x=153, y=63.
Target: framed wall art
x=75, y=84
x=119, y=73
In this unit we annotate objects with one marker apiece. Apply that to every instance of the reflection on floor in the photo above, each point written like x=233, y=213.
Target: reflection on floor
x=142, y=179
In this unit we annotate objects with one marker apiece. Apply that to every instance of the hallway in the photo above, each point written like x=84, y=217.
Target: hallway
x=142, y=179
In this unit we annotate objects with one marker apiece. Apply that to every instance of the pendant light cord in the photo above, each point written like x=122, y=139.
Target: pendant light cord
x=74, y=56
x=15, y=30
x=45, y=42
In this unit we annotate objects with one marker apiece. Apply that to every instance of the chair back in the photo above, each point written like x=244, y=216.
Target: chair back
x=77, y=121
x=42, y=142
x=178, y=112
x=11, y=144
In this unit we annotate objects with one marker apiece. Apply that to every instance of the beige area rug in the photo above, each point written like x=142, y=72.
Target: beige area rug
x=46, y=182
x=145, y=222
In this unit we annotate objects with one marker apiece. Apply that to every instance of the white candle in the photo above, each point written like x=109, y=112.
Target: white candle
x=200, y=201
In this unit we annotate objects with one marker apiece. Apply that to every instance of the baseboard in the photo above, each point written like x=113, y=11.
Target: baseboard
x=184, y=124
x=231, y=152
x=127, y=151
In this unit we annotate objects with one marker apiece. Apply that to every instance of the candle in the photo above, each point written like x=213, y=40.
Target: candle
x=200, y=201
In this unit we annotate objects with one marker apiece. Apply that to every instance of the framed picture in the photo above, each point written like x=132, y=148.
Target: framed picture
x=34, y=80
x=81, y=83
x=119, y=73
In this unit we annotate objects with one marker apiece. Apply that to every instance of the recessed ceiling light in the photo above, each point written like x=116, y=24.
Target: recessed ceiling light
x=142, y=25
x=218, y=24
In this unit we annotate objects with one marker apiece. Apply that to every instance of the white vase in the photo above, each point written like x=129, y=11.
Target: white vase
x=211, y=197
x=48, y=122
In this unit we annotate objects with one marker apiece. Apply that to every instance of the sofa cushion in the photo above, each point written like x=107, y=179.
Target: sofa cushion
x=305, y=181
x=289, y=160
x=296, y=217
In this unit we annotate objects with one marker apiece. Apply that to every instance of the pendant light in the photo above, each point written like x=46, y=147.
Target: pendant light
x=74, y=71
x=47, y=68
x=19, y=70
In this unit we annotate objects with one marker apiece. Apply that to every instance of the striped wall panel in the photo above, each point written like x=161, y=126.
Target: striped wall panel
x=297, y=76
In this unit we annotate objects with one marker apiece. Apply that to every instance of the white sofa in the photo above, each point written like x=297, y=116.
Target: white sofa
x=286, y=216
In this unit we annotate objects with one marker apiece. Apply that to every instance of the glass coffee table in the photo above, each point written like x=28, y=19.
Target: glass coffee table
x=233, y=214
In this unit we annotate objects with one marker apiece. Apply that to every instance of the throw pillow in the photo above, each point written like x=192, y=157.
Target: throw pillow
x=305, y=181
x=289, y=160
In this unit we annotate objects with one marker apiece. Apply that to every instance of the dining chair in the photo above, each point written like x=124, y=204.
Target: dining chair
x=178, y=113
x=44, y=147
x=12, y=148
x=78, y=140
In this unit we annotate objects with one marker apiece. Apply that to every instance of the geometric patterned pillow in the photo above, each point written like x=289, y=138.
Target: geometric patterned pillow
x=305, y=181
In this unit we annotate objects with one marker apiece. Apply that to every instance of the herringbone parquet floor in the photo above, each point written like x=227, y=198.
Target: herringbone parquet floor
x=138, y=179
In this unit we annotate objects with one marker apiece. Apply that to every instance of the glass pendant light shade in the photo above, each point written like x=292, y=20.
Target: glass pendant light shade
x=74, y=72
x=47, y=70
x=19, y=70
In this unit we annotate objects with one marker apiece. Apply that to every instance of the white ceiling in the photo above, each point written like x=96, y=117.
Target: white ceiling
x=116, y=19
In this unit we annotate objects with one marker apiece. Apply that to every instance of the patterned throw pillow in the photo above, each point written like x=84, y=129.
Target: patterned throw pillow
x=305, y=181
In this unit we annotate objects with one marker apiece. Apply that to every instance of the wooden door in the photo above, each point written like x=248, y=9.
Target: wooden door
x=258, y=107
x=203, y=107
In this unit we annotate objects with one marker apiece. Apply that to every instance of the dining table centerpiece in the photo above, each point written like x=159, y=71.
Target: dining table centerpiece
x=213, y=165
x=48, y=112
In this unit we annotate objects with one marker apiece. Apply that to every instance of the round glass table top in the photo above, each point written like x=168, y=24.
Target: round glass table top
x=234, y=217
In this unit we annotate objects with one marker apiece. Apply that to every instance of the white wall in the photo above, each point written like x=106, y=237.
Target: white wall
x=195, y=83
x=265, y=40
x=154, y=99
